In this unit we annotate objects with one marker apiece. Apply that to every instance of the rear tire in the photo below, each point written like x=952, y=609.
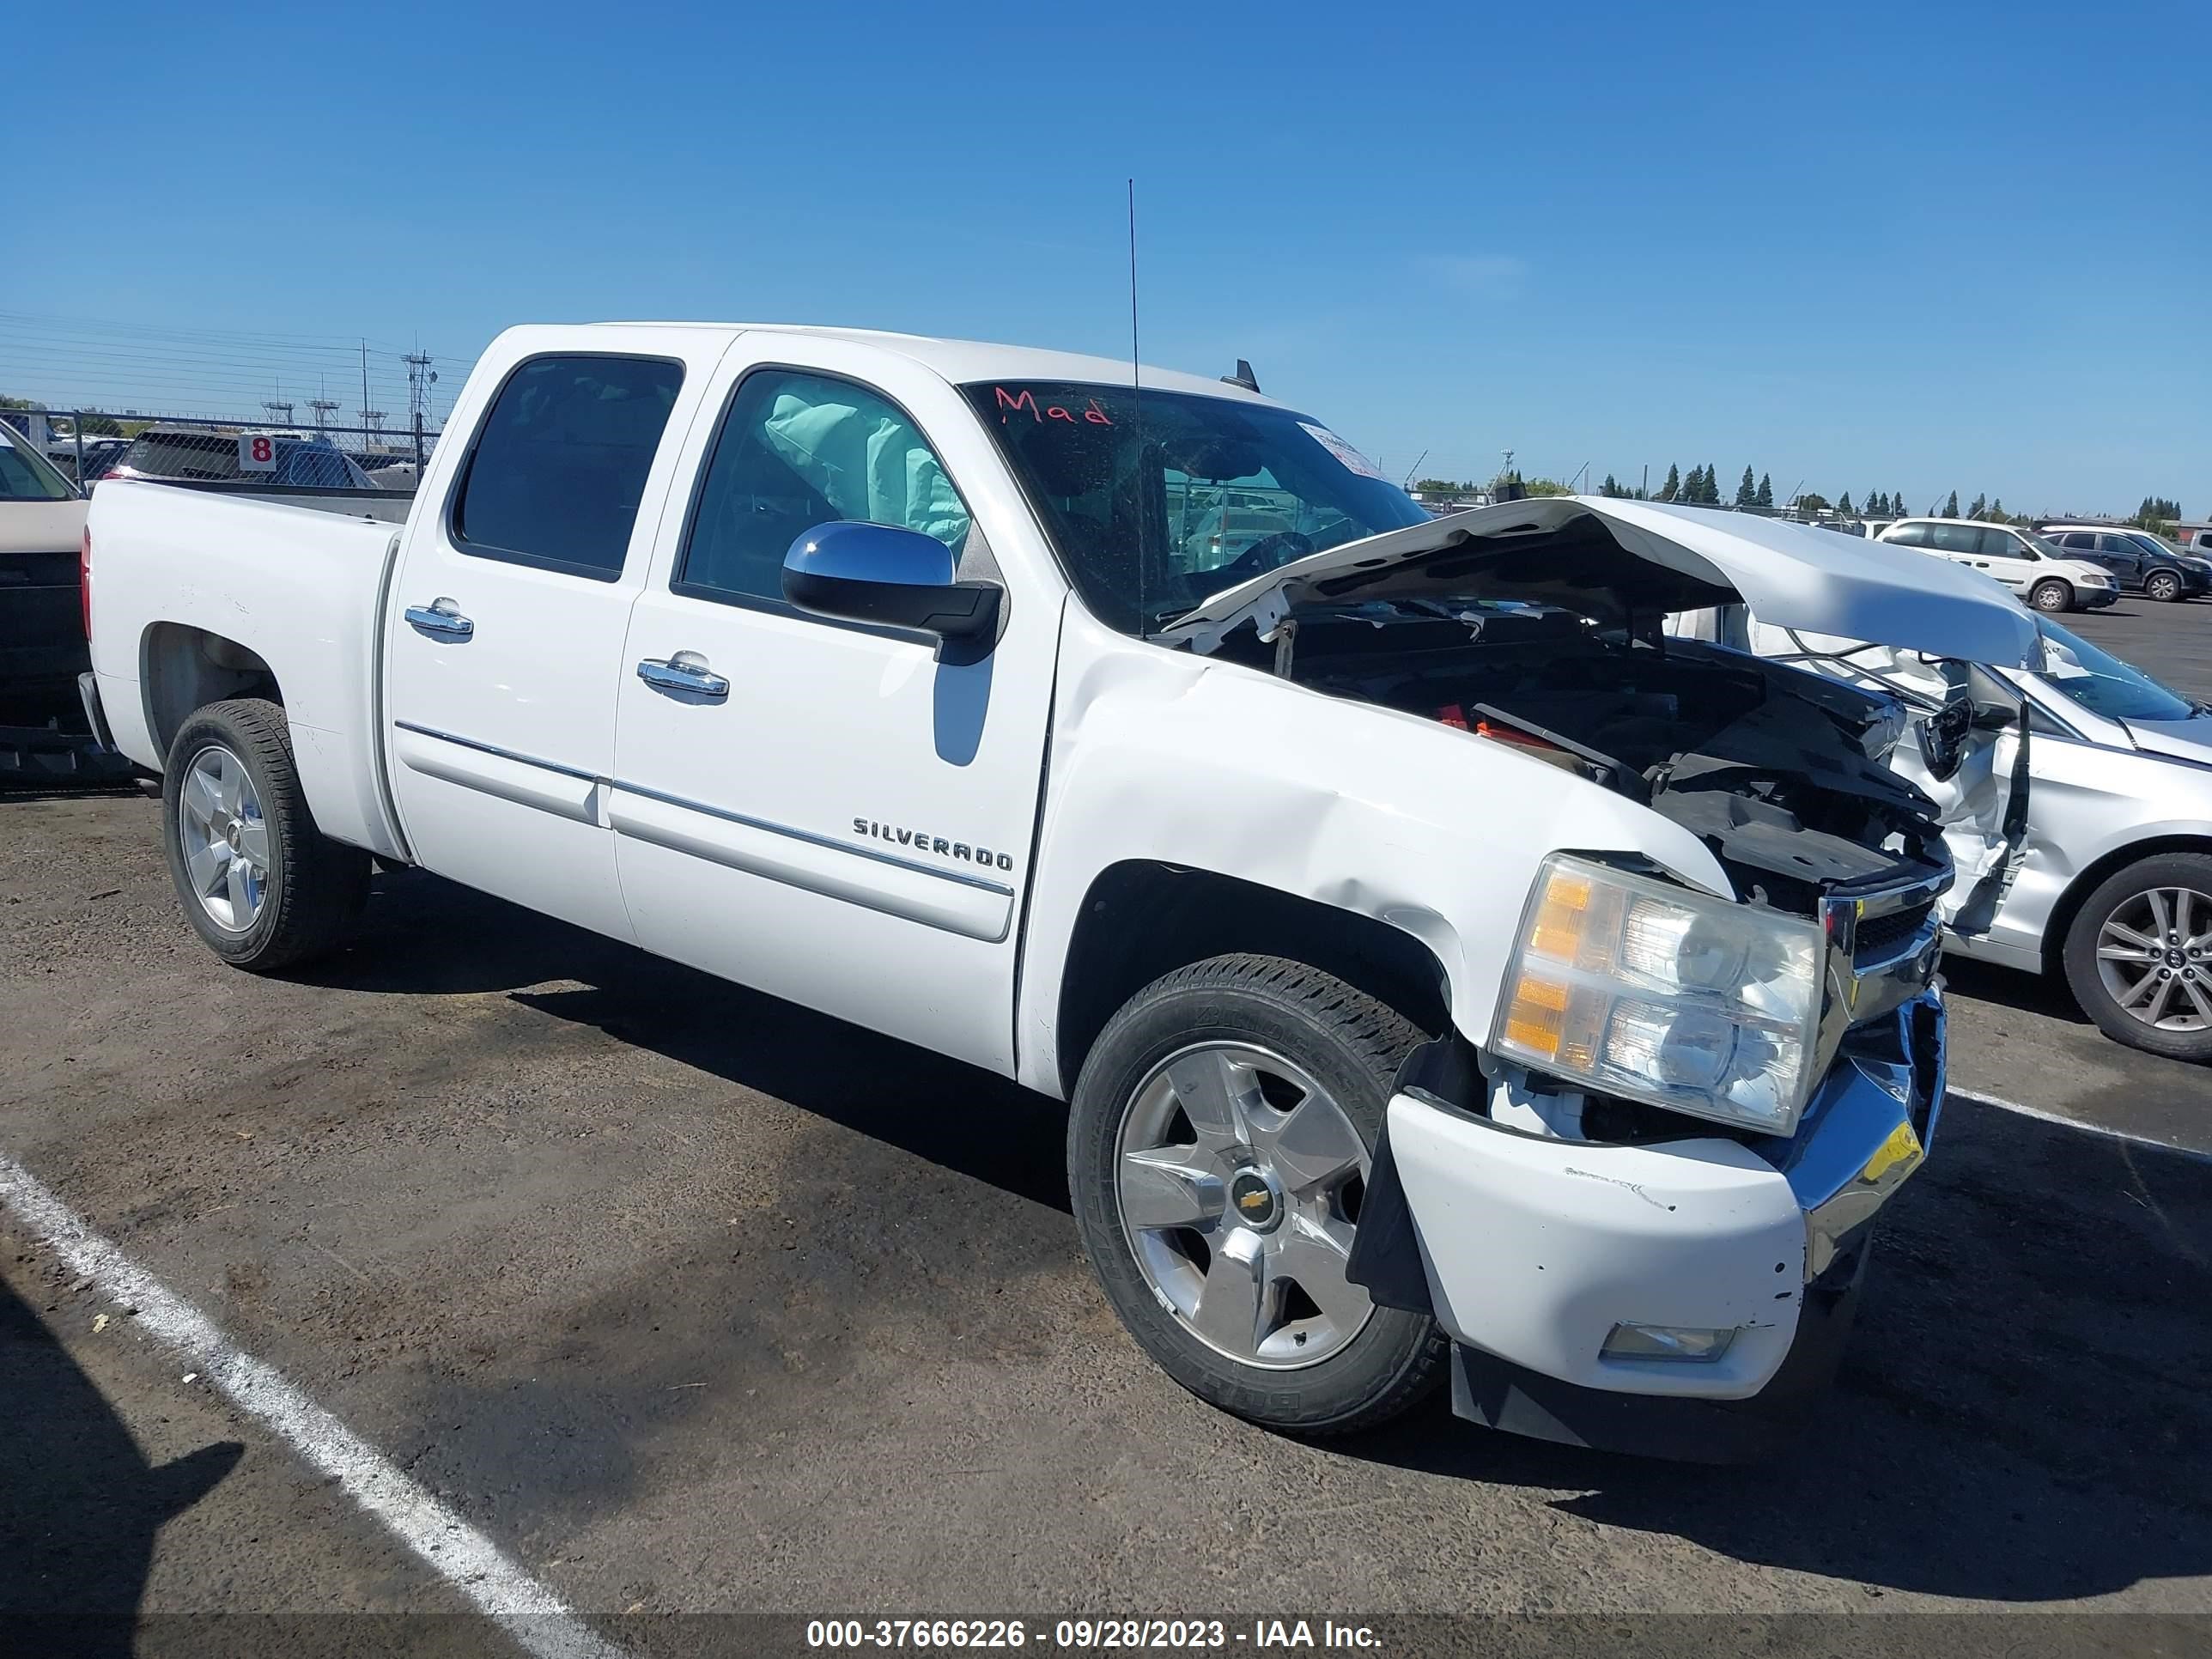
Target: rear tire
x=2052, y=596
x=2164, y=586
x=1217, y=1146
x=2153, y=995
x=259, y=882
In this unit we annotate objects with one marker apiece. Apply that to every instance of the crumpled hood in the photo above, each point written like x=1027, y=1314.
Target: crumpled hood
x=1637, y=557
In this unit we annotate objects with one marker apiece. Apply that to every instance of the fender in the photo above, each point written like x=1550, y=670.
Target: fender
x=1189, y=760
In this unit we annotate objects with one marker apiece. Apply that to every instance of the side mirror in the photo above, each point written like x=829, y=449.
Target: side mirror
x=891, y=578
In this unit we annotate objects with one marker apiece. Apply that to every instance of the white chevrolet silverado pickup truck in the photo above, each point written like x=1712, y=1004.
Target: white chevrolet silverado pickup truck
x=1450, y=972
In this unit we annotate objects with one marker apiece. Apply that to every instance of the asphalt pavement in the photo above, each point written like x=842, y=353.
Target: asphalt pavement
x=696, y=1303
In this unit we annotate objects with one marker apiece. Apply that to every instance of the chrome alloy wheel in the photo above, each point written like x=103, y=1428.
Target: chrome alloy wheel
x=1239, y=1180
x=224, y=837
x=2154, y=957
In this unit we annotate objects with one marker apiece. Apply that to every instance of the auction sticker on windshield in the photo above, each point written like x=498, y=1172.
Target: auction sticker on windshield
x=1352, y=459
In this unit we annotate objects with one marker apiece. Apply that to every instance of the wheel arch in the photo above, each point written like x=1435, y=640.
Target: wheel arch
x=183, y=668
x=1142, y=918
x=2094, y=874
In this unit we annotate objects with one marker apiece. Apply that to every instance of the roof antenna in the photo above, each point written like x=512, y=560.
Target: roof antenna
x=1242, y=377
x=1137, y=398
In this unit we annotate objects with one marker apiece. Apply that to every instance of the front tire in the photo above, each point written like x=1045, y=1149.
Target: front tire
x=2052, y=597
x=258, y=881
x=2164, y=586
x=2138, y=956
x=1218, y=1145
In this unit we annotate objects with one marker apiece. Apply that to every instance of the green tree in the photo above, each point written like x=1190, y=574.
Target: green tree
x=1951, y=507
x=1997, y=515
x=1766, y=496
x=1612, y=489
x=1673, y=487
x=2157, y=514
x=1746, y=489
x=1981, y=505
x=1544, y=487
x=1812, y=501
x=1844, y=504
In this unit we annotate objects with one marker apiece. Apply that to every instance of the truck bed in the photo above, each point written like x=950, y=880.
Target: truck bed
x=296, y=585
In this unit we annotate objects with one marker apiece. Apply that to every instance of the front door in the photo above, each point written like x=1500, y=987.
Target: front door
x=817, y=808
x=504, y=636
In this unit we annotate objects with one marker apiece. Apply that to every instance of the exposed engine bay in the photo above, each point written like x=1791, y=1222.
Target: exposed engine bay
x=1780, y=772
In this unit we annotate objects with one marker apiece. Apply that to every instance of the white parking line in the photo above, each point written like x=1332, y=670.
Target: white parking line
x=529, y=1611
x=2042, y=1116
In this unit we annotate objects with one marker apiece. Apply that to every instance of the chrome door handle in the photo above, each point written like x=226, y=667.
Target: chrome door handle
x=686, y=673
x=441, y=619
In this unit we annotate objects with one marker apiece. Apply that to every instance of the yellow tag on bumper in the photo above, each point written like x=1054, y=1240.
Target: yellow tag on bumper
x=1898, y=1155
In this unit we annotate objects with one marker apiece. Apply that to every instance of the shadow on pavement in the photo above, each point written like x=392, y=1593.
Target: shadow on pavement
x=2021, y=1418
x=79, y=1504
x=2032, y=993
x=952, y=1113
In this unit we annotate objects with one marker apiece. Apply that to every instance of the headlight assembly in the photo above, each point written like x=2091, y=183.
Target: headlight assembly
x=1637, y=987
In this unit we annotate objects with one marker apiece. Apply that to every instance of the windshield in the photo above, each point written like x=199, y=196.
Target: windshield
x=1213, y=491
x=25, y=477
x=2102, y=684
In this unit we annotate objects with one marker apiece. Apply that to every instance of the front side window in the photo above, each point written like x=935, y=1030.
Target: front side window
x=1156, y=500
x=797, y=450
x=25, y=477
x=560, y=463
x=2156, y=546
x=2003, y=544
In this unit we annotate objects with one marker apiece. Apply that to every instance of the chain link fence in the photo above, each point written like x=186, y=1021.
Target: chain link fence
x=89, y=445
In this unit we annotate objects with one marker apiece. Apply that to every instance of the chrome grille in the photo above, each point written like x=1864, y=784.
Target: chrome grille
x=1878, y=938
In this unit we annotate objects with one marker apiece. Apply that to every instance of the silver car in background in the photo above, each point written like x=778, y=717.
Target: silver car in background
x=2105, y=875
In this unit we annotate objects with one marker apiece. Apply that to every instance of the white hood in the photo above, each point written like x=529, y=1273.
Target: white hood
x=1791, y=574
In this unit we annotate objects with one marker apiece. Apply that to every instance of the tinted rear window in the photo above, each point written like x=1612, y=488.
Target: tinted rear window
x=561, y=460
x=184, y=454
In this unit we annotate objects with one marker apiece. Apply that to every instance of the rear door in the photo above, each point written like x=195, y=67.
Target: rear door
x=505, y=623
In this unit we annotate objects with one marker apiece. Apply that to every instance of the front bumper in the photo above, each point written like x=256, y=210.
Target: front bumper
x=1530, y=1250
x=2096, y=599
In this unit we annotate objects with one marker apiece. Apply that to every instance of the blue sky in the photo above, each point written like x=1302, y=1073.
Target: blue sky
x=1908, y=248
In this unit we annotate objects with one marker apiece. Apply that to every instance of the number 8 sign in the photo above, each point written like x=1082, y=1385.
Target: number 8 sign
x=257, y=453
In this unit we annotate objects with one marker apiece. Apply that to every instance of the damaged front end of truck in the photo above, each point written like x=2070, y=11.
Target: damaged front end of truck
x=1640, y=1203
